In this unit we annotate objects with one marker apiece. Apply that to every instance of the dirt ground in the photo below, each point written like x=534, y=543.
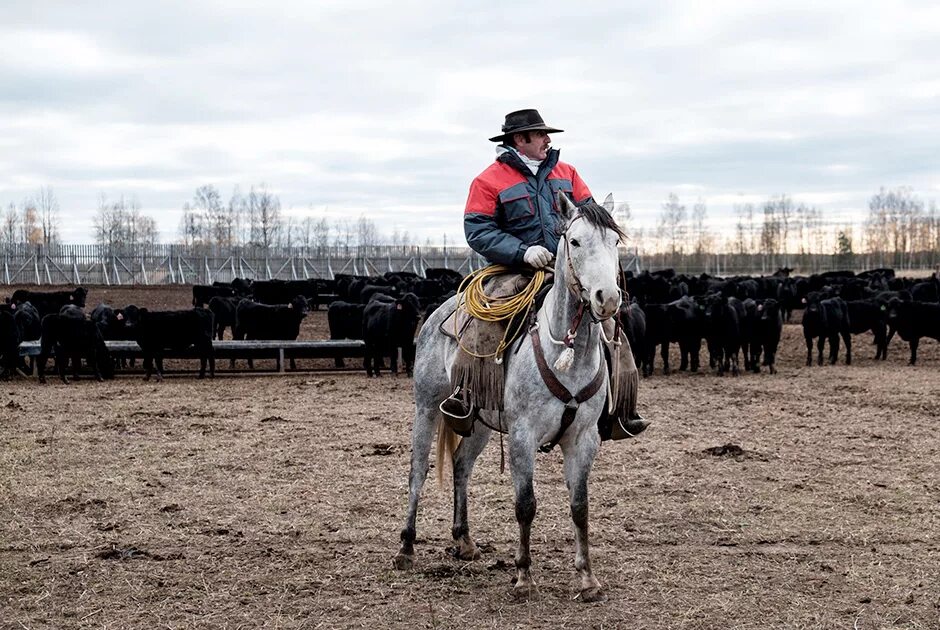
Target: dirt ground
x=806, y=499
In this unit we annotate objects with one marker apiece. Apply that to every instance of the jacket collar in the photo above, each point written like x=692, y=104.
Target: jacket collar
x=511, y=159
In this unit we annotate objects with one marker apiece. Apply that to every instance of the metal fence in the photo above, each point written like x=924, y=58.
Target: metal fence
x=178, y=264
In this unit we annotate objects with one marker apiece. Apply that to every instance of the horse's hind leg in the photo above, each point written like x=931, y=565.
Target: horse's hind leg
x=422, y=434
x=579, y=456
x=464, y=459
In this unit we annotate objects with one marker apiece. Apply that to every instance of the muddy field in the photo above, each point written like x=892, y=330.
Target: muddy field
x=807, y=499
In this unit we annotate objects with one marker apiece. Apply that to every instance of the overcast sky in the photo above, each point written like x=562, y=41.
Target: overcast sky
x=346, y=108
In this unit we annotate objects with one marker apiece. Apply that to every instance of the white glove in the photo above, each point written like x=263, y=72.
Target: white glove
x=537, y=256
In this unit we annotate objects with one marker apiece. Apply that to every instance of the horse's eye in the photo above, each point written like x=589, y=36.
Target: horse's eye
x=575, y=242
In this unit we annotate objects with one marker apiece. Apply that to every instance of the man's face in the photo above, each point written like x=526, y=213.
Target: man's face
x=537, y=146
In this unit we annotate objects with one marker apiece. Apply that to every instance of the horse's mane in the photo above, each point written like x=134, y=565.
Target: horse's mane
x=598, y=216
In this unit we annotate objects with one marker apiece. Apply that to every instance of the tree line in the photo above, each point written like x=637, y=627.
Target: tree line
x=900, y=230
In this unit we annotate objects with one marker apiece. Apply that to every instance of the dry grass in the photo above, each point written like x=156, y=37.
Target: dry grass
x=276, y=502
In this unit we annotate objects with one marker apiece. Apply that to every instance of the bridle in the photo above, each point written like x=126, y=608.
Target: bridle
x=573, y=283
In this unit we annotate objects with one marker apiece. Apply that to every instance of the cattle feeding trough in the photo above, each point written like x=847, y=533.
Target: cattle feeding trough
x=233, y=349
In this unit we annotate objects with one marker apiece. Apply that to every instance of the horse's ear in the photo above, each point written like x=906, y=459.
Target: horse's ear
x=565, y=207
x=609, y=203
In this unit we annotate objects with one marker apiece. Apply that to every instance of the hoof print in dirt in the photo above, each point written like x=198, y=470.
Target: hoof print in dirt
x=133, y=553
x=274, y=419
x=380, y=449
x=725, y=450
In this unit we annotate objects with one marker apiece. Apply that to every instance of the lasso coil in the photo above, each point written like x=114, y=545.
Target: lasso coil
x=495, y=309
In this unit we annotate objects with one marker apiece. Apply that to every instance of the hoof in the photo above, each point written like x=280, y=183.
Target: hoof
x=404, y=562
x=593, y=594
x=469, y=554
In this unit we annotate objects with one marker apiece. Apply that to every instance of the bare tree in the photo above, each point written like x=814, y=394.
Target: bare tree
x=367, y=235
x=264, y=215
x=321, y=233
x=770, y=235
x=703, y=240
x=214, y=217
x=190, y=228
x=11, y=232
x=48, y=208
x=672, y=223
x=108, y=223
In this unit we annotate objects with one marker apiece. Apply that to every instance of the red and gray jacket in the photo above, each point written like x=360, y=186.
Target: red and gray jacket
x=510, y=209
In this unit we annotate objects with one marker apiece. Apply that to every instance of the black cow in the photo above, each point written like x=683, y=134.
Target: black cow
x=158, y=331
x=48, y=302
x=787, y=297
x=927, y=291
x=633, y=321
x=345, y=320
x=28, y=321
x=388, y=326
x=767, y=330
x=826, y=319
x=865, y=315
x=202, y=293
x=679, y=321
x=111, y=322
x=723, y=317
x=913, y=320
x=255, y=321
x=72, y=337
x=9, y=343
x=223, y=310
x=116, y=325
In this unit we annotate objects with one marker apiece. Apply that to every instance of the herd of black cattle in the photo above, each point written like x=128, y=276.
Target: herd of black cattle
x=736, y=316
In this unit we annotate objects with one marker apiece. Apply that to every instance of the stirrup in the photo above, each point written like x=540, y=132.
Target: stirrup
x=632, y=427
x=458, y=414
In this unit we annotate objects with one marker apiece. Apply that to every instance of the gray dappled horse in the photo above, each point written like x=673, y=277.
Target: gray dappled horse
x=586, y=271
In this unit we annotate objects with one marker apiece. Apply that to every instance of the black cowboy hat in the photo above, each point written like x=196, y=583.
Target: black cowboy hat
x=522, y=121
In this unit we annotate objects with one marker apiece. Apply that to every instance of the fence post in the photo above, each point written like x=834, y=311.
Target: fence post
x=205, y=260
x=117, y=276
x=143, y=271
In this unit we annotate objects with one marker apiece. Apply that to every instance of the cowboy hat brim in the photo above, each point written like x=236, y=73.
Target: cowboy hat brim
x=537, y=127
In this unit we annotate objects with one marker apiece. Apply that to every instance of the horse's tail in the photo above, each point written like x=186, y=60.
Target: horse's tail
x=447, y=442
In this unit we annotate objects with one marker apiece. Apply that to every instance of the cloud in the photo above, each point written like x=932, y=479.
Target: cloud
x=383, y=110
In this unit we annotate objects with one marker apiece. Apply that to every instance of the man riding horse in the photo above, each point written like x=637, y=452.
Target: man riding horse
x=511, y=219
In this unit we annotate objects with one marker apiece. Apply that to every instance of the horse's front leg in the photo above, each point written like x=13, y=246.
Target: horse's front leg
x=579, y=457
x=464, y=459
x=522, y=463
x=422, y=434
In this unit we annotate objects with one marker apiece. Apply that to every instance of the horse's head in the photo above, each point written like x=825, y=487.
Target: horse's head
x=587, y=256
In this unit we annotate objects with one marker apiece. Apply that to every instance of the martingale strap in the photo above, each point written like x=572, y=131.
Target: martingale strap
x=559, y=391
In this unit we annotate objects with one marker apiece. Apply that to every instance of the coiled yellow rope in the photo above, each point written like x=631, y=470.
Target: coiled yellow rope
x=495, y=309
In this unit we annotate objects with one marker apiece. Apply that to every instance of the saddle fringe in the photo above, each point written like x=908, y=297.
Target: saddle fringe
x=625, y=380
x=447, y=442
x=481, y=380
